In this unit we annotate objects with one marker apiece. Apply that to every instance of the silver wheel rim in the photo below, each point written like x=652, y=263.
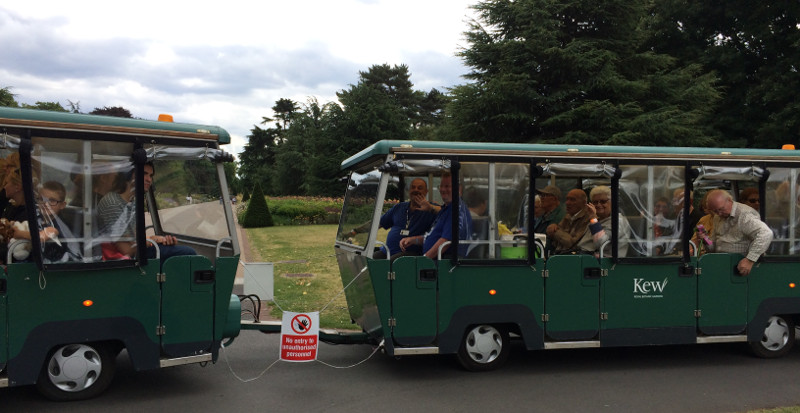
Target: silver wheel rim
x=484, y=344
x=74, y=368
x=776, y=335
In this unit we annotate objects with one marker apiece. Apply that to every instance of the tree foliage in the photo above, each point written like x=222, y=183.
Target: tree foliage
x=257, y=213
x=52, y=106
x=754, y=49
x=576, y=72
x=7, y=98
x=117, y=111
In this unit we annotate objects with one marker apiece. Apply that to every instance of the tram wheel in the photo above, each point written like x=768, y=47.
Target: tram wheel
x=76, y=372
x=777, y=340
x=483, y=348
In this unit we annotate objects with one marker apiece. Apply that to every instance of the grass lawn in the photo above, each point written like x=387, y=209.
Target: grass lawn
x=303, y=249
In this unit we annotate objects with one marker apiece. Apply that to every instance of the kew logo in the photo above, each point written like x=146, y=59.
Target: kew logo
x=640, y=286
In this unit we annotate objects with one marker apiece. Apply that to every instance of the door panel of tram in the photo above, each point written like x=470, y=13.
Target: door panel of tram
x=649, y=303
x=3, y=320
x=572, y=297
x=722, y=295
x=414, y=301
x=187, y=302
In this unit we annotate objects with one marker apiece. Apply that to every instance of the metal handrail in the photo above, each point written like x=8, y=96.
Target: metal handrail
x=155, y=244
x=13, y=246
x=603, y=247
x=219, y=245
x=439, y=252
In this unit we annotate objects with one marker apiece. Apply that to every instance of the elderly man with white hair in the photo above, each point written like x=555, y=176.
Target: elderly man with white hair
x=738, y=229
x=599, y=230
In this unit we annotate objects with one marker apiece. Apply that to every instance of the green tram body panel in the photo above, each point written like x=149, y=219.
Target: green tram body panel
x=183, y=309
x=633, y=304
x=3, y=320
x=722, y=295
x=570, y=299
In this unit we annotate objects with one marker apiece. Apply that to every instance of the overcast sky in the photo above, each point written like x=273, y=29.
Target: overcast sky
x=221, y=63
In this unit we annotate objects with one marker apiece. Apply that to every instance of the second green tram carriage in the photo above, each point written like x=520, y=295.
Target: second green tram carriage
x=650, y=288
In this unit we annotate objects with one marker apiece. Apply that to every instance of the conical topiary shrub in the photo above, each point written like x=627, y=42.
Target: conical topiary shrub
x=246, y=196
x=257, y=213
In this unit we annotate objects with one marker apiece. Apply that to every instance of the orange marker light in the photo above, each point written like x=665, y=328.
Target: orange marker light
x=88, y=303
x=492, y=292
x=791, y=285
x=788, y=147
x=164, y=117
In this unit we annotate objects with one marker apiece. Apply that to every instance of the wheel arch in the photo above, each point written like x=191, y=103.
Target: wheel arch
x=514, y=318
x=787, y=307
x=117, y=333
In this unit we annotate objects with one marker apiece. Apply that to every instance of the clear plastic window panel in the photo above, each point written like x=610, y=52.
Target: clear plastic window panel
x=84, y=200
x=496, y=195
x=782, y=210
x=649, y=202
x=189, y=199
x=359, y=207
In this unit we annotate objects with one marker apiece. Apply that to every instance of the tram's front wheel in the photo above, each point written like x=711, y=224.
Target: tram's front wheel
x=76, y=372
x=483, y=348
x=777, y=339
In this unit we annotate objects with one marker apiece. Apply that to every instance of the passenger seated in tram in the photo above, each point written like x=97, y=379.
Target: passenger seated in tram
x=476, y=202
x=117, y=221
x=565, y=235
x=54, y=232
x=750, y=197
x=552, y=210
x=406, y=219
x=694, y=213
x=442, y=230
x=599, y=230
x=7, y=165
x=704, y=231
x=15, y=215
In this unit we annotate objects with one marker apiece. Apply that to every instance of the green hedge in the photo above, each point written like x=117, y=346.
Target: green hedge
x=302, y=210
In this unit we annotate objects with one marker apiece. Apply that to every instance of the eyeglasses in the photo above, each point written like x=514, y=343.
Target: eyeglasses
x=753, y=200
x=600, y=201
x=51, y=202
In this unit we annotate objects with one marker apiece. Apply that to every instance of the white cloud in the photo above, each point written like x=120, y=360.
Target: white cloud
x=220, y=63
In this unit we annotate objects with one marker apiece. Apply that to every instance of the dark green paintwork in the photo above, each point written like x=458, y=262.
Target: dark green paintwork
x=413, y=302
x=572, y=301
x=77, y=119
x=227, y=313
x=469, y=286
x=3, y=324
x=187, y=307
x=722, y=295
x=771, y=280
x=129, y=292
x=647, y=308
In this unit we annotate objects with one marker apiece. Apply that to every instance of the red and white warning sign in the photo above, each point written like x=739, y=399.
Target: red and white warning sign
x=299, y=336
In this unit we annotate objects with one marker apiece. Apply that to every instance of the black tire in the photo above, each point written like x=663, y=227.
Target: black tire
x=76, y=372
x=777, y=339
x=483, y=348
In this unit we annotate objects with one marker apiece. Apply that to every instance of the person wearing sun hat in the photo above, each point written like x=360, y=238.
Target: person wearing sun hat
x=554, y=212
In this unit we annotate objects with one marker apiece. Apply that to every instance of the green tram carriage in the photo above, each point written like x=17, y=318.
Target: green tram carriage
x=650, y=290
x=65, y=317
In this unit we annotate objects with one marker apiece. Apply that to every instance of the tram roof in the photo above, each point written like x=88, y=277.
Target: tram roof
x=380, y=149
x=44, y=119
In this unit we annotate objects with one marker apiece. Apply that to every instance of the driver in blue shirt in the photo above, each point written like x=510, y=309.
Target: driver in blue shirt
x=442, y=230
x=407, y=219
